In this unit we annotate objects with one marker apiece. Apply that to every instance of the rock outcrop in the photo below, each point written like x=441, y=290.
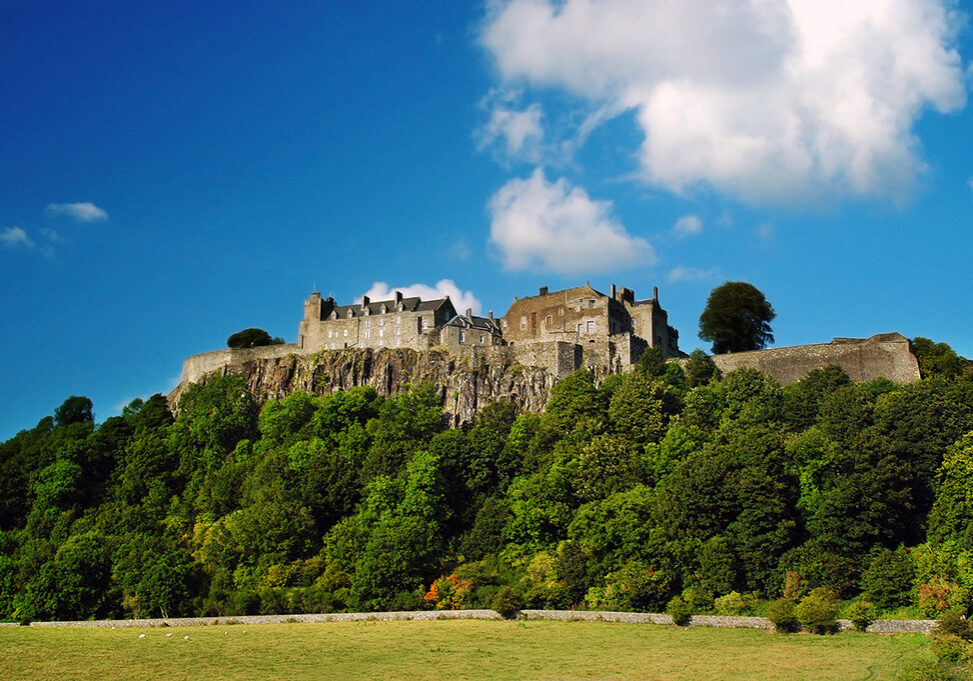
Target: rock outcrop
x=466, y=384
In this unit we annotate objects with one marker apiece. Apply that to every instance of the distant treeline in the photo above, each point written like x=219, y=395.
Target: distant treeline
x=662, y=482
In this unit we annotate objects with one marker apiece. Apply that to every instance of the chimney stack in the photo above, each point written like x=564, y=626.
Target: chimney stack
x=655, y=293
x=543, y=291
x=364, y=301
x=469, y=313
x=398, y=297
x=613, y=291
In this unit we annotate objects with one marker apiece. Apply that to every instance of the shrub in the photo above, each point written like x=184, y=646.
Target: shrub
x=932, y=670
x=731, y=604
x=781, y=613
x=940, y=594
x=954, y=623
x=949, y=647
x=505, y=602
x=861, y=613
x=697, y=599
x=679, y=611
x=817, y=611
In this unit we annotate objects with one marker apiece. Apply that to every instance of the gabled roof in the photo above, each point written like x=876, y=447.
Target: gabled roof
x=473, y=322
x=413, y=304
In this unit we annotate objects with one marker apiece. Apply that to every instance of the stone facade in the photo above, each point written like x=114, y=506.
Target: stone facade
x=888, y=355
x=585, y=316
x=398, y=323
x=560, y=331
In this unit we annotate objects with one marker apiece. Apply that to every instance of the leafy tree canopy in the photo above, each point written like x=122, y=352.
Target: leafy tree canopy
x=736, y=318
x=252, y=338
x=937, y=359
x=75, y=409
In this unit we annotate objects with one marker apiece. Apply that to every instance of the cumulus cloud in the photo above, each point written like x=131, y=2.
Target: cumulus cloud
x=558, y=227
x=16, y=236
x=80, y=212
x=688, y=225
x=682, y=273
x=520, y=133
x=766, y=101
x=461, y=300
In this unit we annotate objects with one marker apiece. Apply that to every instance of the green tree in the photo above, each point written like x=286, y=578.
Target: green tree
x=700, y=369
x=75, y=409
x=251, y=338
x=937, y=359
x=736, y=318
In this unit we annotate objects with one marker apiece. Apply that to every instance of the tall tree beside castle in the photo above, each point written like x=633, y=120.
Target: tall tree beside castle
x=737, y=318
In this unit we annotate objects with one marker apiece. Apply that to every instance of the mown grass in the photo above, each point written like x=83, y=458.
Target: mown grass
x=462, y=650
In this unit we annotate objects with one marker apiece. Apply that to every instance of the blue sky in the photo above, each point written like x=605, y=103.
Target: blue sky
x=173, y=172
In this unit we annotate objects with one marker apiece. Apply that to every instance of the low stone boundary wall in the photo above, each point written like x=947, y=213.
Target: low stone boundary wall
x=876, y=627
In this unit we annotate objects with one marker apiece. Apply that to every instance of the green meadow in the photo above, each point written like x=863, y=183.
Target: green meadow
x=460, y=650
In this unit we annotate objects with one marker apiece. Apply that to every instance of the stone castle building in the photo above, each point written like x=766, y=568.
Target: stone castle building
x=540, y=339
x=552, y=329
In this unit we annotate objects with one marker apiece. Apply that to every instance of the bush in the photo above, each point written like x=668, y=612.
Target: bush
x=505, y=602
x=954, y=623
x=817, y=611
x=697, y=599
x=861, y=613
x=781, y=613
x=949, y=647
x=731, y=604
x=679, y=611
x=932, y=670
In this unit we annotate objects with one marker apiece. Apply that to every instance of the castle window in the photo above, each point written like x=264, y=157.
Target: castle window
x=381, y=322
x=591, y=327
x=368, y=322
x=381, y=333
x=523, y=322
x=580, y=328
x=398, y=331
x=398, y=320
x=482, y=339
x=462, y=336
x=398, y=342
x=549, y=320
x=591, y=303
x=346, y=332
x=367, y=333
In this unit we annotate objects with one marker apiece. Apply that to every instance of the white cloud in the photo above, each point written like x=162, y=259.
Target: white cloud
x=558, y=227
x=520, y=132
x=688, y=225
x=461, y=300
x=681, y=273
x=16, y=236
x=768, y=100
x=80, y=212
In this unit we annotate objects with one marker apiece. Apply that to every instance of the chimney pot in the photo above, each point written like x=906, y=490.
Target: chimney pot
x=543, y=291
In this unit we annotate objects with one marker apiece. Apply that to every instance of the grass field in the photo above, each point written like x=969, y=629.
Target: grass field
x=457, y=649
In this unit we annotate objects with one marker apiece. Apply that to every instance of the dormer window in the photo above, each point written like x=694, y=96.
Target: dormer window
x=351, y=313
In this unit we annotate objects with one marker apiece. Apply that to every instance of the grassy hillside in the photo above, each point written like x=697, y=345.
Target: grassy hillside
x=461, y=650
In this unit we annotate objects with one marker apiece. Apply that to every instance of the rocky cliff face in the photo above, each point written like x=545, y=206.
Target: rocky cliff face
x=465, y=383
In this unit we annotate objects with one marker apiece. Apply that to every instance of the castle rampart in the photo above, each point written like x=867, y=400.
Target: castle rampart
x=886, y=355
